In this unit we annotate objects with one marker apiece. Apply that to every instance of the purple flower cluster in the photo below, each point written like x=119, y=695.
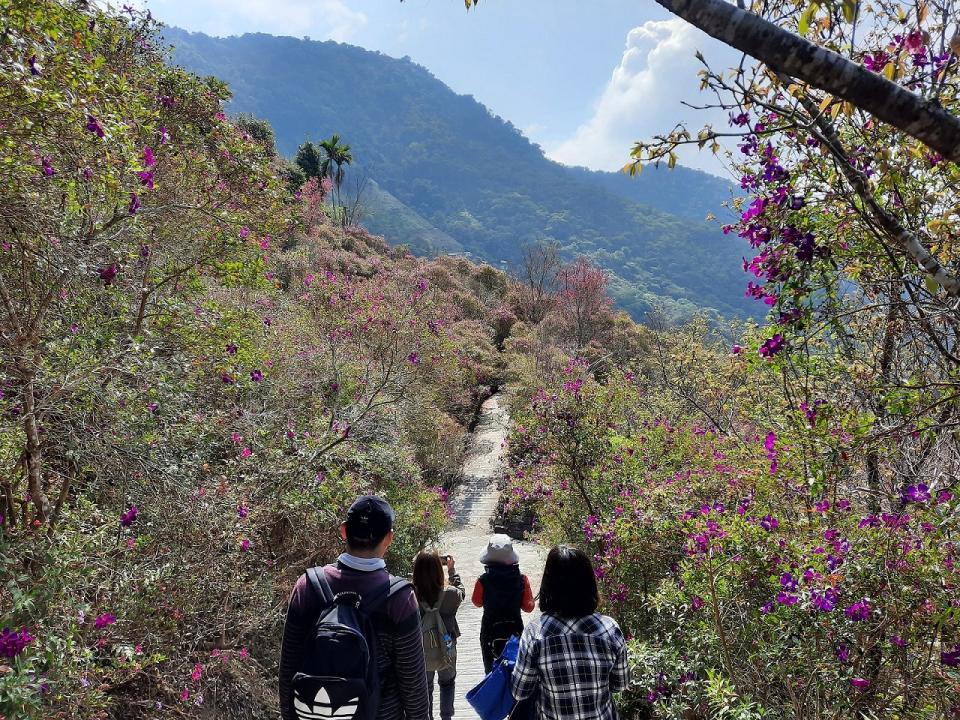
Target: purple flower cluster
x=129, y=517
x=12, y=642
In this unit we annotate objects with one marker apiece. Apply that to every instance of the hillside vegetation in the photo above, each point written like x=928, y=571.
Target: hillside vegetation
x=475, y=177
x=202, y=366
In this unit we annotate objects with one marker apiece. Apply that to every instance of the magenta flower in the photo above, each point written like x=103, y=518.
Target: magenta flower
x=127, y=519
x=104, y=620
x=875, y=62
x=146, y=178
x=246, y=452
x=35, y=67
x=243, y=511
x=197, y=672
x=788, y=581
x=736, y=349
x=227, y=379
x=107, y=274
x=916, y=493
x=163, y=135
x=46, y=166
x=93, y=125
x=772, y=346
x=244, y=232
x=951, y=658
x=245, y=545
x=825, y=601
x=231, y=348
x=770, y=442
x=697, y=602
x=12, y=642
x=769, y=523
x=860, y=684
x=148, y=159
x=134, y=203
x=413, y=358
x=843, y=653
x=859, y=611
x=256, y=376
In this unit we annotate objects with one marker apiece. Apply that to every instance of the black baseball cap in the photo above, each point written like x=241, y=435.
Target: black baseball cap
x=369, y=519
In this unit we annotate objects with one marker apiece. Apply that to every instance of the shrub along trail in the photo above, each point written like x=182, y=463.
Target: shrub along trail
x=473, y=506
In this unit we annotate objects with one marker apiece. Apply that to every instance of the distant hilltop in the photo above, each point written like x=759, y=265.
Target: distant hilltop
x=445, y=175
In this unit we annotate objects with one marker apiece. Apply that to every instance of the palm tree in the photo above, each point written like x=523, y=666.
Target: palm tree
x=336, y=156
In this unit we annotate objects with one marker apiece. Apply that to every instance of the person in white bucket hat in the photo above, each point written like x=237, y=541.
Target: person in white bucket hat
x=502, y=591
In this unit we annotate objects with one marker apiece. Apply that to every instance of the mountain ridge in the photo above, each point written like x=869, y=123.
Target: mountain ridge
x=474, y=178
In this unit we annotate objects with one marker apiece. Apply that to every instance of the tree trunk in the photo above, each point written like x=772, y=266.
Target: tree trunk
x=786, y=52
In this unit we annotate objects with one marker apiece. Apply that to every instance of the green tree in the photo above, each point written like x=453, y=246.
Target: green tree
x=309, y=160
x=259, y=130
x=337, y=155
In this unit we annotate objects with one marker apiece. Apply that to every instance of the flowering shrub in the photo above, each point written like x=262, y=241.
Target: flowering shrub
x=200, y=372
x=744, y=585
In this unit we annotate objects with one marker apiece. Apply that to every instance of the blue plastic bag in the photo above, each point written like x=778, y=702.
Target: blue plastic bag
x=492, y=698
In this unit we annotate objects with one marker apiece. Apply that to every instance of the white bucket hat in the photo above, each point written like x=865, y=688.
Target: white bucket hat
x=500, y=551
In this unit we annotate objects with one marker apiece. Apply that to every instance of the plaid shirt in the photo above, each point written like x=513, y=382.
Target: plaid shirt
x=575, y=664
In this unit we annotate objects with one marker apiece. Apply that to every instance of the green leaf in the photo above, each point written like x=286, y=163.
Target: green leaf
x=804, y=25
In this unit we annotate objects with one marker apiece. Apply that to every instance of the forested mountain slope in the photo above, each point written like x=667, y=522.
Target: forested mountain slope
x=474, y=177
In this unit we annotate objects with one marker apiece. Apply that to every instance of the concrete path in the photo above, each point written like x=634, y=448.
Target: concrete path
x=474, y=505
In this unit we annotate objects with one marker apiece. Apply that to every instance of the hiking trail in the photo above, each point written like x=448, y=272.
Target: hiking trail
x=474, y=504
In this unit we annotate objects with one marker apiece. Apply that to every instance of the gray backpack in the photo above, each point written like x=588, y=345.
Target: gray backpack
x=439, y=652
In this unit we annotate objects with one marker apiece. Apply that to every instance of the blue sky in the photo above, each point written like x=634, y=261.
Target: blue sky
x=582, y=78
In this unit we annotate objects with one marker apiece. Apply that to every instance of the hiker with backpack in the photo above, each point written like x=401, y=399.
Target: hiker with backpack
x=352, y=647
x=439, y=603
x=572, y=659
x=502, y=591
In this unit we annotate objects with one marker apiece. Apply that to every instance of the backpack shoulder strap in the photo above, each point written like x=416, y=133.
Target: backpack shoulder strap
x=320, y=585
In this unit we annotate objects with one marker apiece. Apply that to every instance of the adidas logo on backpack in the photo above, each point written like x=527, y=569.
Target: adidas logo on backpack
x=338, y=678
x=321, y=707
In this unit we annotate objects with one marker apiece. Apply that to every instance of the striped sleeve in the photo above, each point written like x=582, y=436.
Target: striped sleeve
x=410, y=671
x=293, y=645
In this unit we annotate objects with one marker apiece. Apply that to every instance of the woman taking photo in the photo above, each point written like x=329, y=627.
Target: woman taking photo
x=574, y=656
x=438, y=615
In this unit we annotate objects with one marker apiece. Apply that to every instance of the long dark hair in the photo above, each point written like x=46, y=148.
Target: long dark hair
x=428, y=577
x=569, y=587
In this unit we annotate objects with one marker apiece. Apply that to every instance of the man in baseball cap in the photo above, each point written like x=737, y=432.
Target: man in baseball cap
x=367, y=531
x=368, y=524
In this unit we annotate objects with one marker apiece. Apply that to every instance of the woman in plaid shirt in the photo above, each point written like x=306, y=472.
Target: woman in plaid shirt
x=573, y=658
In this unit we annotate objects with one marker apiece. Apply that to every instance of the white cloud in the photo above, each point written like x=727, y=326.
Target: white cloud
x=643, y=98
x=320, y=19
